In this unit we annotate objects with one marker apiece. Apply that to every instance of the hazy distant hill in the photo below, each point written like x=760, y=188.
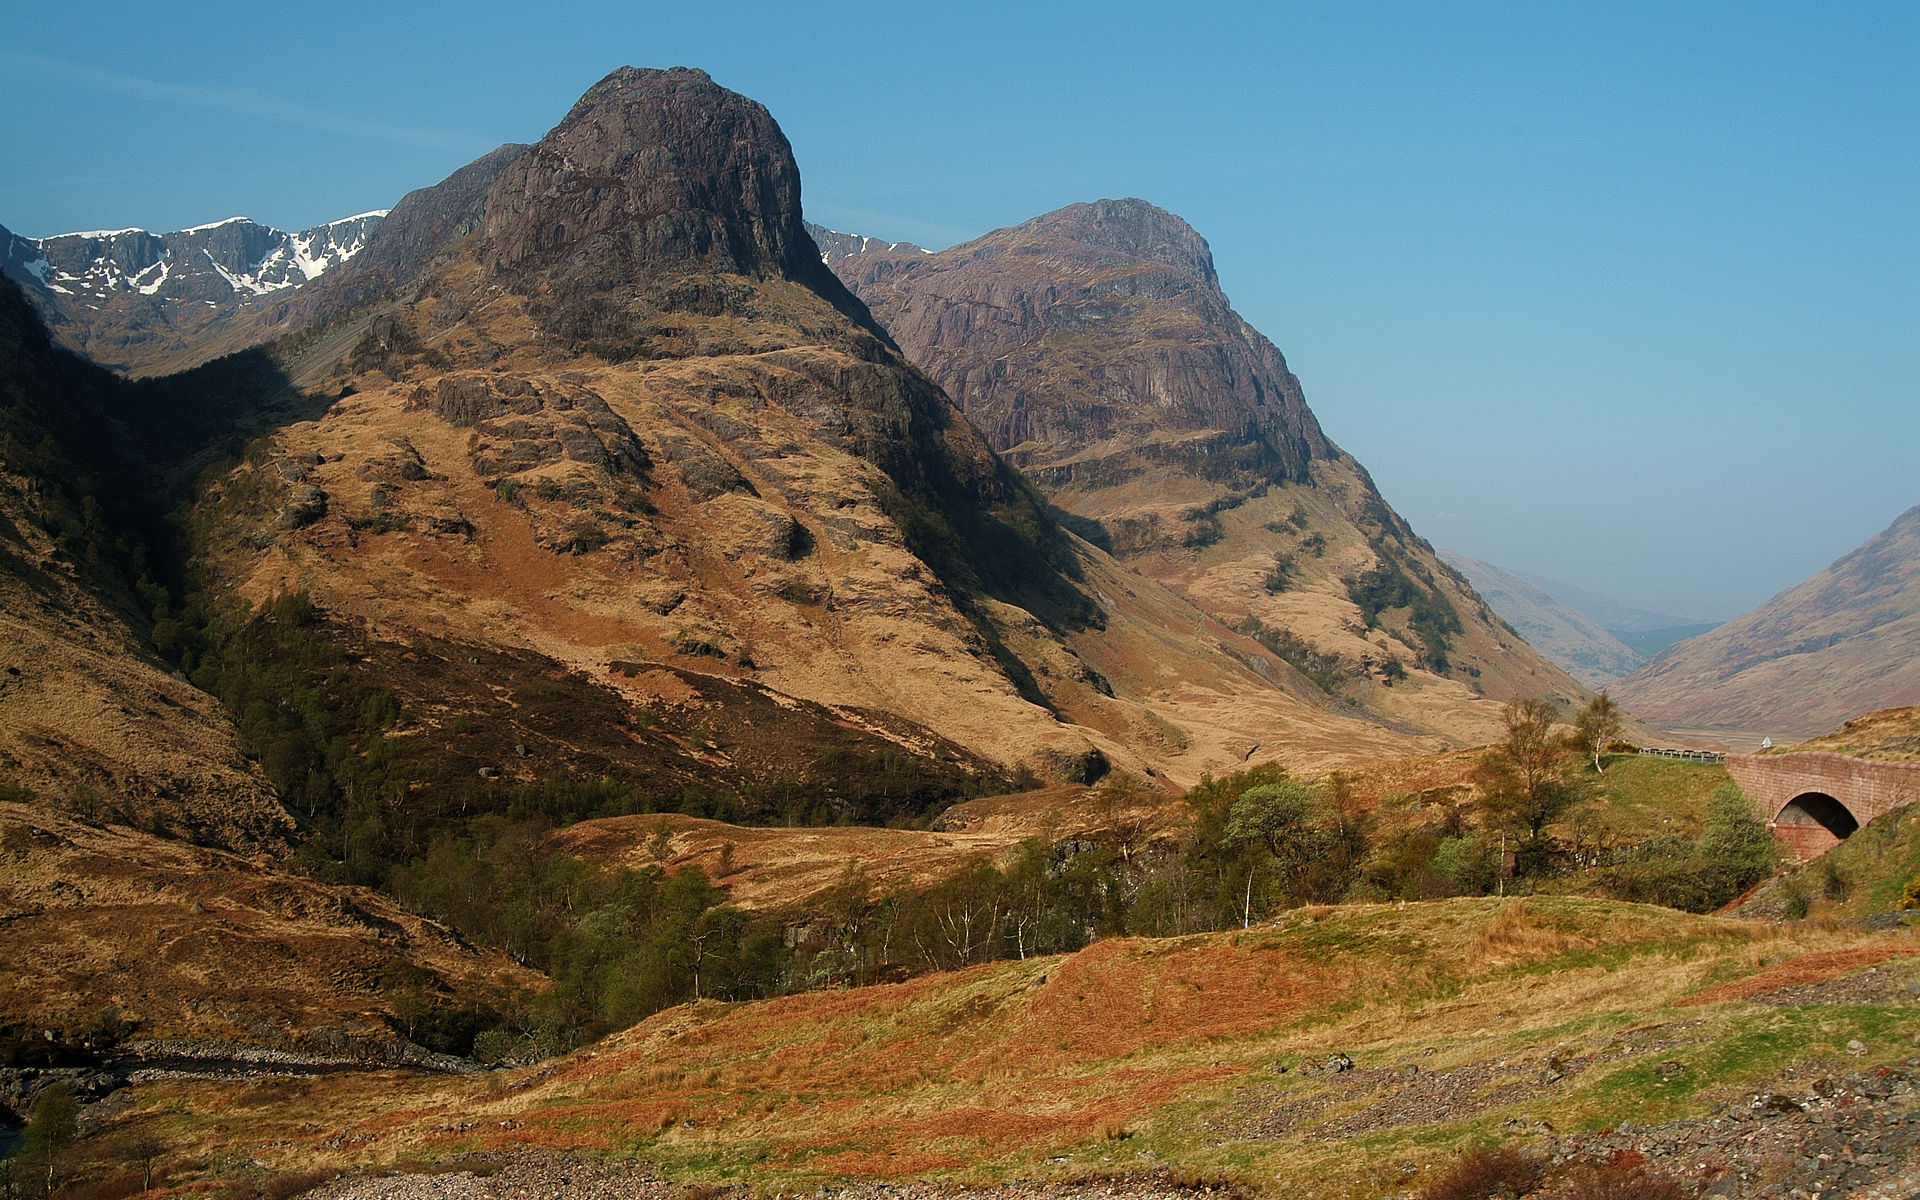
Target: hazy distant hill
x=1563, y=633
x=1642, y=630
x=1840, y=644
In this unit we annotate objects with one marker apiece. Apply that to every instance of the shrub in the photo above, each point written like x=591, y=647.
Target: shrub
x=1797, y=901
x=1484, y=1172
x=1625, y=1178
x=1835, y=881
x=1280, y=576
x=1910, y=894
x=1734, y=852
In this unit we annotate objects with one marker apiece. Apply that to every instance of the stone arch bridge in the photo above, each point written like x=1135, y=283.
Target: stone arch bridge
x=1813, y=798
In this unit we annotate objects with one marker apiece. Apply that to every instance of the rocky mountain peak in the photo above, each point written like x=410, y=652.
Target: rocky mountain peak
x=1128, y=230
x=654, y=169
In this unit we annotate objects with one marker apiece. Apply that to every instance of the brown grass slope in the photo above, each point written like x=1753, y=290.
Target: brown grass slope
x=1887, y=735
x=1094, y=349
x=109, y=929
x=1844, y=642
x=1465, y=1021
x=89, y=717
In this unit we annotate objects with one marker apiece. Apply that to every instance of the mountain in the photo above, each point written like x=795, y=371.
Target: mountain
x=1842, y=643
x=88, y=712
x=1563, y=633
x=135, y=301
x=1095, y=350
x=624, y=430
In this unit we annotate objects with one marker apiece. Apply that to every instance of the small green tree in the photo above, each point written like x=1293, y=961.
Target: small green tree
x=53, y=1124
x=1736, y=850
x=1316, y=841
x=1598, y=723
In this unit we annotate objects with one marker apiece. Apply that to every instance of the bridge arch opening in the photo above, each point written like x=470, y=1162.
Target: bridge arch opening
x=1818, y=808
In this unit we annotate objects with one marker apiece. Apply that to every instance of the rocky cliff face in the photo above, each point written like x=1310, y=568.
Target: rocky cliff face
x=1095, y=350
x=1842, y=643
x=1080, y=339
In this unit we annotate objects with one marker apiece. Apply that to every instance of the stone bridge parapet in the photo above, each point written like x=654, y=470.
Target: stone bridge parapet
x=1814, y=798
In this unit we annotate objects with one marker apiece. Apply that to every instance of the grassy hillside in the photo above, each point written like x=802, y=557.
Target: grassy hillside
x=1531, y=1021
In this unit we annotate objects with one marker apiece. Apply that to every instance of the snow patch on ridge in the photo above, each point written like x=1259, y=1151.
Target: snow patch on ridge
x=218, y=224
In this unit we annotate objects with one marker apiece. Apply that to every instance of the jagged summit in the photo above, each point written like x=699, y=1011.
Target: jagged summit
x=654, y=177
x=654, y=169
x=142, y=302
x=217, y=261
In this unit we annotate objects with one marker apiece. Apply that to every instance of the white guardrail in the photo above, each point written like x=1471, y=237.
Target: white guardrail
x=1707, y=756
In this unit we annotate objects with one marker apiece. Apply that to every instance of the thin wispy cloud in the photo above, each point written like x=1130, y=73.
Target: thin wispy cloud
x=244, y=102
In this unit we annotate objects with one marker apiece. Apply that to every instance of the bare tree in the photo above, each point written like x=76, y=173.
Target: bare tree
x=1598, y=723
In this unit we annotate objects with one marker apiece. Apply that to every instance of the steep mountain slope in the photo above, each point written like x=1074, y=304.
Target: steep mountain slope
x=1563, y=633
x=1842, y=643
x=631, y=432
x=1094, y=349
x=89, y=717
x=143, y=887
x=147, y=303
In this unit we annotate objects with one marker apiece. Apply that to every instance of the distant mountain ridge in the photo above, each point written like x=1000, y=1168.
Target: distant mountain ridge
x=125, y=298
x=1843, y=643
x=835, y=245
x=237, y=256
x=1558, y=630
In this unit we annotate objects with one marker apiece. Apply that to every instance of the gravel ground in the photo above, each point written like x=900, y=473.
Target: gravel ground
x=536, y=1176
x=1819, y=1134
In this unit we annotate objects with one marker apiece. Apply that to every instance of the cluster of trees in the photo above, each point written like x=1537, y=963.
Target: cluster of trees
x=620, y=944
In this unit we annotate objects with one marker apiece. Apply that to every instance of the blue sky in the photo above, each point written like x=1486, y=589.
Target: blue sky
x=1622, y=294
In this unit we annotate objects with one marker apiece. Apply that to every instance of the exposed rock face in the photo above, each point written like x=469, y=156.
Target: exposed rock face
x=1093, y=339
x=421, y=227
x=654, y=176
x=654, y=169
x=1842, y=643
x=1095, y=350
